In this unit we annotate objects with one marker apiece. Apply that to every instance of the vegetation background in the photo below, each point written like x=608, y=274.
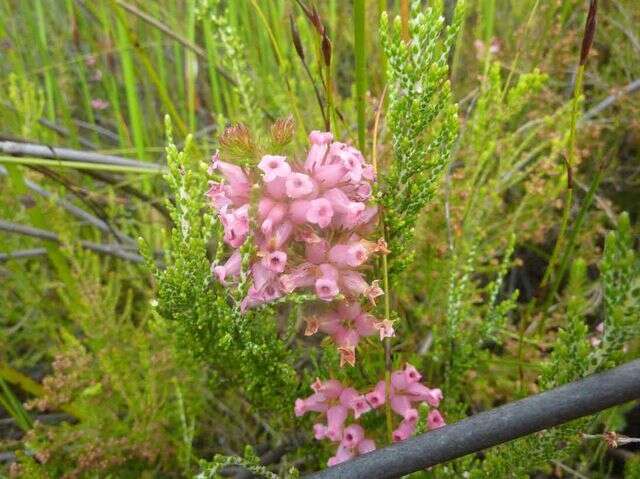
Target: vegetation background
x=120, y=358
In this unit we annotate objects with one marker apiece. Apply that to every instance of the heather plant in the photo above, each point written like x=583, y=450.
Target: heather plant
x=349, y=223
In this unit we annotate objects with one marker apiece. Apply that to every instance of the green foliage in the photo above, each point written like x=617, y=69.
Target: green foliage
x=632, y=469
x=570, y=357
x=118, y=380
x=232, y=51
x=621, y=287
x=422, y=119
x=11, y=404
x=250, y=462
x=244, y=351
x=568, y=361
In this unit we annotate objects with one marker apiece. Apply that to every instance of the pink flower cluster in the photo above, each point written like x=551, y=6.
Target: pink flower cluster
x=406, y=389
x=311, y=221
x=335, y=403
x=346, y=324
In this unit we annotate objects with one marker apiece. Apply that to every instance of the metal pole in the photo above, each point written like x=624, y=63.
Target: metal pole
x=13, y=148
x=487, y=429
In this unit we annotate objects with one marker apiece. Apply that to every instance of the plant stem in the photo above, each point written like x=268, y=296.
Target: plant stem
x=330, y=111
x=360, y=54
x=569, y=160
x=385, y=281
x=404, y=18
x=387, y=341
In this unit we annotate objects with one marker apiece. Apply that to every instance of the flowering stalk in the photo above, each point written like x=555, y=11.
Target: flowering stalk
x=302, y=225
x=336, y=403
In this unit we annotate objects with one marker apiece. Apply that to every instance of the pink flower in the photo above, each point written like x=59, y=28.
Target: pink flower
x=328, y=176
x=298, y=185
x=435, y=419
x=352, y=436
x=319, y=208
x=231, y=173
x=401, y=404
x=273, y=218
x=326, y=288
x=316, y=251
x=320, y=137
x=343, y=454
x=236, y=226
x=277, y=188
x=320, y=212
x=377, y=397
x=346, y=325
x=275, y=261
x=301, y=276
x=353, y=284
x=404, y=430
x=99, y=104
x=360, y=406
x=406, y=389
x=341, y=203
x=353, y=444
x=237, y=189
x=319, y=148
x=270, y=291
x=333, y=400
x=316, y=402
x=274, y=167
x=353, y=254
x=385, y=327
x=336, y=416
x=230, y=269
x=351, y=159
x=218, y=194
x=278, y=237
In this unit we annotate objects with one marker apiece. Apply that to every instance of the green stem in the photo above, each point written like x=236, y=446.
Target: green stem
x=282, y=69
x=568, y=163
x=387, y=341
x=382, y=7
x=568, y=251
x=360, y=57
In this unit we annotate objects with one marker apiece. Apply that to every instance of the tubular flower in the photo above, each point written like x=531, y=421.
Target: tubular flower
x=353, y=444
x=335, y=402
x=311, y=219
x=345, y=324
x=406, y=389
